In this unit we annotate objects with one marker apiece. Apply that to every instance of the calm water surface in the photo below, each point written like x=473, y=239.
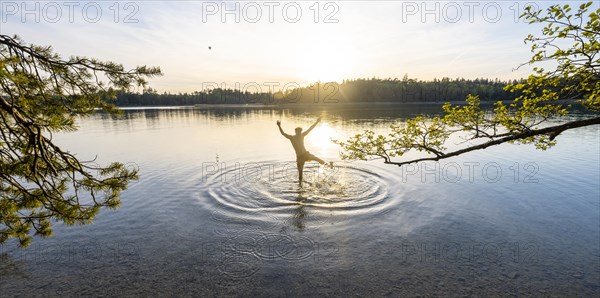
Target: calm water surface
x=217, y=210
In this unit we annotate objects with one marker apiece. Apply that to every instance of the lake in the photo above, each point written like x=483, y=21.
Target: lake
x=218, y=211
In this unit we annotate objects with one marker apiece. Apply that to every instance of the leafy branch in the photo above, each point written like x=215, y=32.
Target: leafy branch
x=524, y=120
x=41, y=93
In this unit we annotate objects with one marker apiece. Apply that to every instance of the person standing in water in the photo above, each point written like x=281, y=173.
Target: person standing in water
x=302, y=155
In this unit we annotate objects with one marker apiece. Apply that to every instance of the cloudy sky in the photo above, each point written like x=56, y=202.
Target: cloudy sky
x=197, y=43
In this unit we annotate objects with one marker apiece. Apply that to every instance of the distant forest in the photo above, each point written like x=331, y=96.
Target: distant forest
x=349, y=91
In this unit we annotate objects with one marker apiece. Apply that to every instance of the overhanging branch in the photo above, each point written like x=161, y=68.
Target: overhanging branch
x=552, y=132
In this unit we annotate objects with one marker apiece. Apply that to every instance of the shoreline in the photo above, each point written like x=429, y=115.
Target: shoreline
x=321, y=105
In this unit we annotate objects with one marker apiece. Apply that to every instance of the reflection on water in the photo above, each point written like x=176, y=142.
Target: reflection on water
x=218, y=210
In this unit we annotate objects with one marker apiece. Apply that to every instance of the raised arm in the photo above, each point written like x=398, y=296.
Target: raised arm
x=312, y=126
x=281, y=130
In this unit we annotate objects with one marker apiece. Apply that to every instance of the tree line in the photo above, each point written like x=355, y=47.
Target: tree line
x=389, y=90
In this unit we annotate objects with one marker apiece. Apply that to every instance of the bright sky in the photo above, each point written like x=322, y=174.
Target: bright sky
x=276, y=43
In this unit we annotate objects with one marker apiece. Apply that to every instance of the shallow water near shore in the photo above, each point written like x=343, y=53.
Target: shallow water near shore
x=218, y=210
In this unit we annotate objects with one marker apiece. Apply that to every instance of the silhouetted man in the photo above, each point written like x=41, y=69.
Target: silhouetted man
x=302, y=155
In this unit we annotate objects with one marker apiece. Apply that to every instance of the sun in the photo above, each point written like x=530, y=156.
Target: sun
x=326, y=64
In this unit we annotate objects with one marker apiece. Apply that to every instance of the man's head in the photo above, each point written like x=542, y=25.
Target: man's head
x=298, y=130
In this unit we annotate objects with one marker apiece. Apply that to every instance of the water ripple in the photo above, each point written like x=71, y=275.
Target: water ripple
x=268, y=191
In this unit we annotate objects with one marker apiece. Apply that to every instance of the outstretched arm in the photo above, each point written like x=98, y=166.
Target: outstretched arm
x=281, y=130
x=312, y=126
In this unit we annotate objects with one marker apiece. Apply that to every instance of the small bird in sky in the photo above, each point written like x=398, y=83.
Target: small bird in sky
x=209, y=47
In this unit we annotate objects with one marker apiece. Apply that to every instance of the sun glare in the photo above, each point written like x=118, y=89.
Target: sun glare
x=320, y=137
